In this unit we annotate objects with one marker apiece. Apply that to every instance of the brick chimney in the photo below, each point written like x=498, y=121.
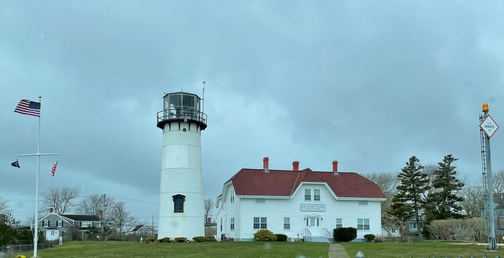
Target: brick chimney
x=266, y=164
x=295, y=165
x=51, y=210
x=335, y=167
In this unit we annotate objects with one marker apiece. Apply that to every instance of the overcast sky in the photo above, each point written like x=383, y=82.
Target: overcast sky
x=367, y=83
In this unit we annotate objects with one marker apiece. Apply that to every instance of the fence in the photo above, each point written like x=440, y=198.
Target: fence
x=23, y=248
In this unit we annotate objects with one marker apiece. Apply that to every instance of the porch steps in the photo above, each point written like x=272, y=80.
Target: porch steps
x=317, y=239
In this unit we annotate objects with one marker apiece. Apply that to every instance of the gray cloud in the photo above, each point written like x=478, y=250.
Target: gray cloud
x=366, y=83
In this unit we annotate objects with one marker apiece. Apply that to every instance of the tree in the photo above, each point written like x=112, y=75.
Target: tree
x=401, y=210
x=387, y=181
x=92, y=204
x=414, y=184
x=474, y=200
x=209, y=204
x=120, y=218
x=4, y=207
x=60, y=199
x=8, y=229
x=444, y=202
x=498, y=182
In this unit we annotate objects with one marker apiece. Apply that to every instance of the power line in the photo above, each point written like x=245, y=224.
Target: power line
x=153, y=203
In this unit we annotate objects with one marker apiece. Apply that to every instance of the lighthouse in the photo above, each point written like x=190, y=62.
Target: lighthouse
x=181, y=209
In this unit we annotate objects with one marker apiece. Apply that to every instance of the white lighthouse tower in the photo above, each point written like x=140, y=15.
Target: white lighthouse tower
x=181, y=211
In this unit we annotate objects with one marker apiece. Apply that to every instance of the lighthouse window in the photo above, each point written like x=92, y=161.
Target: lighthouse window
x=188, y=101
x=178, y=203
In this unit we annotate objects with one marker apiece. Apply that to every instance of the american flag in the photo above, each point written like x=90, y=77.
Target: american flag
x=53, y=170
x=28, y=107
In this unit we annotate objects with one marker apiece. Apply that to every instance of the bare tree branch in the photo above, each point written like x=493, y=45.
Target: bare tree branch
x=92, y=204
x=498, y=182
x=4, y=207
x=474, y=198
x=387, y=181
x=209, y=204
x=121, y=218
x=60, y=199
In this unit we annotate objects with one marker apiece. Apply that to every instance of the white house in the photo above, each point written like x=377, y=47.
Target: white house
x=298, y=203
x=54, y=225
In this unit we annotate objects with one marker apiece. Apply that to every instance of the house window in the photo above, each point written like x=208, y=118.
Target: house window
x=260, y=200
x=362, y=202
x=59, y=223
x=339, y=223
x=362, y=224
x=316, y=194
x=178, y=203
x=44, y=223
x=286, y=223
x=86, y=224
x=232, y=196
x=260, y=223
x=413, y=225
x=307, y=195
x=221, y=224
x=232, y=223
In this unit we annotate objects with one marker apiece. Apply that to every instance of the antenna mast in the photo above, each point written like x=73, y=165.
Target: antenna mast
x=203, y=97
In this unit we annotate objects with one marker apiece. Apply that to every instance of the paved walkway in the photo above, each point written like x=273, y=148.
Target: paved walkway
x=337, y=251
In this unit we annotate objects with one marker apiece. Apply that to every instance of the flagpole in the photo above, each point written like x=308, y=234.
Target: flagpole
x=35, y=239
x=28, y=107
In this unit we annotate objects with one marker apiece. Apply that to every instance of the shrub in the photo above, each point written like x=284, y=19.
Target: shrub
x=379, y=239
x=344, y=234
x=264, y=235
x=200, y=239
x=369, y=237
x=281, y=237
x=211, y=239
x=150, y=240
x=164, y=240
x=180, y=239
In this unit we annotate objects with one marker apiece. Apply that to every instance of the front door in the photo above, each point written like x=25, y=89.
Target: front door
x=313, y=224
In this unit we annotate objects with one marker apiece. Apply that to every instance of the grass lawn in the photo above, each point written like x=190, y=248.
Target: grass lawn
x=211, y=249
x=421, y=249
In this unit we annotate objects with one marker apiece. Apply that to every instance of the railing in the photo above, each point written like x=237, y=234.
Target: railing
x=326, y=233
x=181, y=113
x=307, y=236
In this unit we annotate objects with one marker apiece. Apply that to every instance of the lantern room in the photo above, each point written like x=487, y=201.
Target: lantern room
x=181, y=107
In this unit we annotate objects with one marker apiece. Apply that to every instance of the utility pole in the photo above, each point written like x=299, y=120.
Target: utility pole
x=102, y=215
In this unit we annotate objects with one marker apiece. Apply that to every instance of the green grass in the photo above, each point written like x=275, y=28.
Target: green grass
x=189, y=250
x=421, y=249
x=264, y=250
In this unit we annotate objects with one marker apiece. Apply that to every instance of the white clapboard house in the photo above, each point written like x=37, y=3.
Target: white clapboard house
x=55, y=225
x=302, y=204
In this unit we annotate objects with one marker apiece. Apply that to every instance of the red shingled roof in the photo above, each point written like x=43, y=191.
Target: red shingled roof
x=284, y=183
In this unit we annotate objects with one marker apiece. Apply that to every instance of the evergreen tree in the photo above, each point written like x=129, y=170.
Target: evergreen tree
x=444, y=202
x=401, y=211
x=411, y=190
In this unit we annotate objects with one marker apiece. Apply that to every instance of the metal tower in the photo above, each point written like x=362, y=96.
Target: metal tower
x=488, y=127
